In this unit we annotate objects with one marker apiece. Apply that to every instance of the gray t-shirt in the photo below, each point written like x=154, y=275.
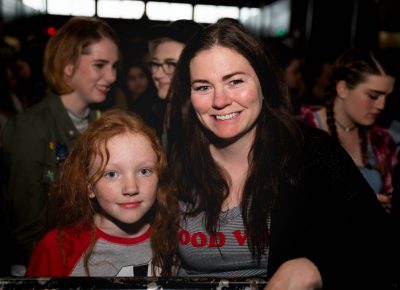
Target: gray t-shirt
x=226, y=255
x=118, y=257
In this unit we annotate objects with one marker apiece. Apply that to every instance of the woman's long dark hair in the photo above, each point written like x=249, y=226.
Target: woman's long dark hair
x=273, y=165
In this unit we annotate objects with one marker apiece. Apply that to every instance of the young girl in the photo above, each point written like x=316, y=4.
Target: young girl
x=112, y=199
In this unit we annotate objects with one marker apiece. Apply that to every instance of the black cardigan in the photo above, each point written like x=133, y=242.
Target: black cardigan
x=334, y=218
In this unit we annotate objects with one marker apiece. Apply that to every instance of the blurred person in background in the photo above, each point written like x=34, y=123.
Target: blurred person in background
x=166, y=43
x=291, y=62
x=315, y=71
x=356, y=93
x=138, y=88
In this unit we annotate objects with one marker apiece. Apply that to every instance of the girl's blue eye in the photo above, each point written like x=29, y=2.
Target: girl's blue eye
x=110, y=174
x=145, y=171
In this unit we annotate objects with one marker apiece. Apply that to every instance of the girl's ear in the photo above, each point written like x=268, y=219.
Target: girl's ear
x=341, y=89
x=91, y=192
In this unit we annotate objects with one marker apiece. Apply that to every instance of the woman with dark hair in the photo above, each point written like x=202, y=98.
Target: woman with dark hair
x=355, y=95
x=260, y=194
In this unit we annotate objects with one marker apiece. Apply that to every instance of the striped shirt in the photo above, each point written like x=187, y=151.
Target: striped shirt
x=225, y=254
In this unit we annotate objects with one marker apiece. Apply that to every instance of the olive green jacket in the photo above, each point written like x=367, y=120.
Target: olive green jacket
x=33, y=146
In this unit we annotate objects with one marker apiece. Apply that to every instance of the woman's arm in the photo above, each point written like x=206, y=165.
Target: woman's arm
x=296, y=274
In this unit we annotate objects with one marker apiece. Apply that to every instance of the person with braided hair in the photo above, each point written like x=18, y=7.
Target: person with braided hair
x=354, y=97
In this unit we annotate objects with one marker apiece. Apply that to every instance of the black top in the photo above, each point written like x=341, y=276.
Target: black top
x=334, y=218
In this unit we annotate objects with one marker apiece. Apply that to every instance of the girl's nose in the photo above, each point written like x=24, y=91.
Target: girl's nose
x=130, y=186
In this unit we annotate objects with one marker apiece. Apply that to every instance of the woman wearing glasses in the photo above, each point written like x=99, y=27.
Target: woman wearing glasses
x=166, y=43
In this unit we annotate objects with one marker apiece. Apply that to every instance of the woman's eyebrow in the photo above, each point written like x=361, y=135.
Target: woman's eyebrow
x=228, y=76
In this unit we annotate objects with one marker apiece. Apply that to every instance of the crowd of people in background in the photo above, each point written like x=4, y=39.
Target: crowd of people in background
x=330, y=193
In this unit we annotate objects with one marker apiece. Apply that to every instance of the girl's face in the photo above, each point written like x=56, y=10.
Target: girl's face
x=225, y=93
x=127, y=189
x=363, y=104
x=137, y=81
x=95, y=72
x=167, y=54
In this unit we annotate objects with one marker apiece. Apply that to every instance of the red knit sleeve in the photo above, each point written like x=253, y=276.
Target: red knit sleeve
x=46, y=259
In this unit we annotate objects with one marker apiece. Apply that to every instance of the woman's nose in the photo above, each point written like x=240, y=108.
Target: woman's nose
x=380, y=102
x=111, y=75
x=221, y=98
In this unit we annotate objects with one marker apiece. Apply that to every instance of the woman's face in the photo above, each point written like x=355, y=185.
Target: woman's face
x=166, y=54
x=363, y=104
x=137, y=81
x=95, y=72
x=225, y=93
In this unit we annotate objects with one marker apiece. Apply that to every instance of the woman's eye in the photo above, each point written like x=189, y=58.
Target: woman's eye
x=373, y=96
x=201, y=88
x=110, y=174
x=236, y=82
x=145, y=171
x=99, y=65
x=170, y=64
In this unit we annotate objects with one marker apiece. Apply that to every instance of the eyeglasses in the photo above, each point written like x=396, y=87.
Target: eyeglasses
x=167, y=66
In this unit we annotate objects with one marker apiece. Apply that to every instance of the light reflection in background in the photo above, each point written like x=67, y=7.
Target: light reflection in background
x=269, y=20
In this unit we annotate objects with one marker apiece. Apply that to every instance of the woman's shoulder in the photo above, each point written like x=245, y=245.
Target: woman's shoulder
x=37, y=116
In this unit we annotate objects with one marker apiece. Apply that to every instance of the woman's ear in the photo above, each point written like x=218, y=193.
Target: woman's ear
x=341, y=89
x=69, y=70
x=91, y=192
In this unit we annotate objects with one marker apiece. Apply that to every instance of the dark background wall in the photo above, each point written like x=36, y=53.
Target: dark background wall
x=327, y=27
x=318, y=26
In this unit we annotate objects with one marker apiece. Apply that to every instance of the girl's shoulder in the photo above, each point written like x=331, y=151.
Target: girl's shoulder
x=57, y=253
x=67, y=235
